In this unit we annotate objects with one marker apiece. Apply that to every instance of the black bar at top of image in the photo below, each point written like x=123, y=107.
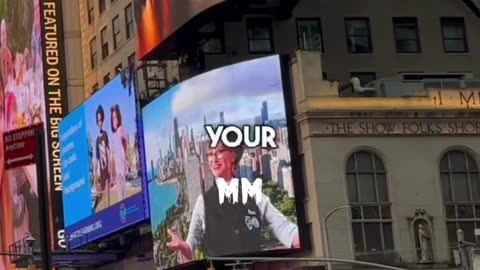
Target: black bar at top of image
x=43, y=215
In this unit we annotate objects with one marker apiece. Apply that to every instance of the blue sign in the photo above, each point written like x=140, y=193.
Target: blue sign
x=75, y=167
x=103, y=188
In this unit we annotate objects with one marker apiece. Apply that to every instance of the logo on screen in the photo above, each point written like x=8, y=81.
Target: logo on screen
x=123, y=213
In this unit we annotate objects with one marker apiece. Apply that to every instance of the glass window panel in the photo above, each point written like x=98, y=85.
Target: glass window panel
x=260, y=45
x=465, y=211
x=366, y=186
x=382, y=187
x=364, y=161
x=468, y=230
x=444, y=163
x=358, y=27
x=351, y=164
x=472, y=165
x=378, y=163
x=407, y=46
x=460, y=187
x=455, y=45
x=373, y=237
x=457, y=161
x=477, y=211
x=259, y=32
x=475, y=186
x=406, y=32
x=356, y=212
x=352, y=188
x=358, y=237
x=359, y=44
x=453, y=31
x=450, y=209
x=371, y=212
x=452, y=233
x=386, y=212
x=388, y=236
x=446, y=189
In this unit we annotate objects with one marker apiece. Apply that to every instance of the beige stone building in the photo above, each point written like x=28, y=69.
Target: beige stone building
x=398, y=162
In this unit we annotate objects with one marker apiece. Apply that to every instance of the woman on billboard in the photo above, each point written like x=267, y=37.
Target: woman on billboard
x=231, y=228
x=119, y=148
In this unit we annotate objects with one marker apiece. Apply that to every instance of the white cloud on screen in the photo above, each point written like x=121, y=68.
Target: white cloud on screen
x=222, y=86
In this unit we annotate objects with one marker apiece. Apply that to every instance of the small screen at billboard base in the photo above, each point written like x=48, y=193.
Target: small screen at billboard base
x=101, y=168
x=32, y=72
x=219, y=166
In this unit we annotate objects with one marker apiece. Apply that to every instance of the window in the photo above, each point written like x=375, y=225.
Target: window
x=94, y=88
x=214, y=35
x=93, y=53
x=359, y=39
x=129, y=20
x=454, y=35
x=102, y=6
x=131, y=59
x=104, y=40
x=368, y=196
x=460, y=179
x=106, y=79
x=309, y=34
x=365, y=77
x=116, y=32
x=118, y=69
x=406, y=35
x=260, y=38
x=91, y=14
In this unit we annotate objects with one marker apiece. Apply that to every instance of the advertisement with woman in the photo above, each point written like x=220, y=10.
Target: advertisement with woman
x=101, y=170
x=22, y=104
x=188, y=173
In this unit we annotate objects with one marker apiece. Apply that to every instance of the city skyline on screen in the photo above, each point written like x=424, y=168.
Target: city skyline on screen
x=234, y=90
x=182, y=168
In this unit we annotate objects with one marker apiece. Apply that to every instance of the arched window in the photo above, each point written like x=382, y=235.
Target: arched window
x=371, y=214
x=461, y=194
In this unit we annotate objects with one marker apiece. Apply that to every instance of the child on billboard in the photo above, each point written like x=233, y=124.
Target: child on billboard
x=119, y=150
x=103, y=157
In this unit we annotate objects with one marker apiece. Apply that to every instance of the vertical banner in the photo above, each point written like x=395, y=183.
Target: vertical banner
x=56, y=107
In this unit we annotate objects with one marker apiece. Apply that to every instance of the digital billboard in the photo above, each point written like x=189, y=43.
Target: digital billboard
x=32, y=91
x=219, y=166
x=101, y=168
x=156, y=20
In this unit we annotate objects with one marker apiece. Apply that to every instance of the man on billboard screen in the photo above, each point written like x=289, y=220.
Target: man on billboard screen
x=219, y=167
x=231, y=227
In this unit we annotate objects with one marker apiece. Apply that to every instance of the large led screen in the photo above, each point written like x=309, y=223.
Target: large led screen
x=158, y=19
x=208, y=138
x=31, y=91
x=101, y=168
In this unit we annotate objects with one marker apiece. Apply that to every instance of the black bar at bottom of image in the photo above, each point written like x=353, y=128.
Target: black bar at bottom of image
x=42, y=183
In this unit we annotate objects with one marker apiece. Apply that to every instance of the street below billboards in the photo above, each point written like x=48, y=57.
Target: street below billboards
x=21, y=146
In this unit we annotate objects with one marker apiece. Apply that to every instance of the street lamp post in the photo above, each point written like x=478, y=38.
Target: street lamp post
x=326, y=245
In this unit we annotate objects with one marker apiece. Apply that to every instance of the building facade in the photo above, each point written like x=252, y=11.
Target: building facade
x=366, y=39
x=400, y=163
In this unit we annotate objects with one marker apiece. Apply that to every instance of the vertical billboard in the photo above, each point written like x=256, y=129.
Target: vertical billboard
x=32, y=91
x=101, y=168
x=219, y=166
x=156, y=20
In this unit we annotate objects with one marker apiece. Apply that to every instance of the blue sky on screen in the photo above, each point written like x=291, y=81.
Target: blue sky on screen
x=237, y=90
x=111, y=94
